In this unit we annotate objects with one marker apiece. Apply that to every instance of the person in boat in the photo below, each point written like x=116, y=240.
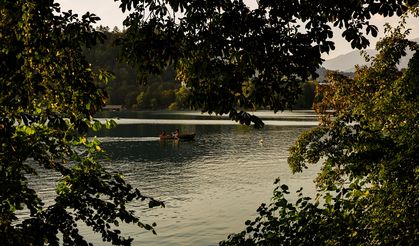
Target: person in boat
x=163, y=135
x=176, y=134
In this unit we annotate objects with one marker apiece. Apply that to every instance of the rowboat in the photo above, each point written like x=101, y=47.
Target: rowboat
x=183, y=137
x=187, y=136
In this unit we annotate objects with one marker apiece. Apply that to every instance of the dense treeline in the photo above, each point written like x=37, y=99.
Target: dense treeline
x=104, y=55
x=157, y=92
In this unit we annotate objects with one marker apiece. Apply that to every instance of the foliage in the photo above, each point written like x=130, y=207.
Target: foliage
x=48, y=95
x=123, y=89
x=367, y=144
x=306, y=98
x=157, y=92
x=160, y=91
x=233, y=58
x=182, y=95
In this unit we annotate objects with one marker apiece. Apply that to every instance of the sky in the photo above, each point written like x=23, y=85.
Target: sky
x=111, y=16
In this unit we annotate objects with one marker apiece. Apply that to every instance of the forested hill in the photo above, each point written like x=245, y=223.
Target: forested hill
x=159, y=92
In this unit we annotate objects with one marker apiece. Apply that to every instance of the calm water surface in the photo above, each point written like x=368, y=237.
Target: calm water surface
x=210, y=185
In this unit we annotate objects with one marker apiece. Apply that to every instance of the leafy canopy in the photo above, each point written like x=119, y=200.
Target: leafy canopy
x=48, y=96
x=233, y=58
x=367, y=146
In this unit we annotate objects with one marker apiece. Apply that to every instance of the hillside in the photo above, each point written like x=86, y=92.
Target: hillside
x=347, y=62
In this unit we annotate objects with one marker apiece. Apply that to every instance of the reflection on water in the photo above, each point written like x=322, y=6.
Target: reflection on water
x=210, y=185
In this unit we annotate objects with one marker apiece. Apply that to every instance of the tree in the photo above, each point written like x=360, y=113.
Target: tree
x=367, y=144
x=232, y=58
x=182, y=95
x=123, y=88
x=158, y=92
x=306, y=98
x=48, y=96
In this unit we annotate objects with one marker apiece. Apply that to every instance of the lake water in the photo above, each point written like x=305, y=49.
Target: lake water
x=211, y=185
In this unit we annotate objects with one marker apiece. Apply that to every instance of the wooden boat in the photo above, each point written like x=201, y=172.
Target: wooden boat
x=186, y=136
x=183, y=137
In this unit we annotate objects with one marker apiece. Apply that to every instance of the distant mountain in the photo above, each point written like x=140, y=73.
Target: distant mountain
x=347, y=62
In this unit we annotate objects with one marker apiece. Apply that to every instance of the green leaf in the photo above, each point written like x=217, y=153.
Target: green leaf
x=110, y=124
x=96, y=125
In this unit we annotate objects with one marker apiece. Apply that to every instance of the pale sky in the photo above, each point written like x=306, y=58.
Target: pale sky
x=112, y=16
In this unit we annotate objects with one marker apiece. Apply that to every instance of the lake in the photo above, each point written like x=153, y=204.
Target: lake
x=210, y=185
